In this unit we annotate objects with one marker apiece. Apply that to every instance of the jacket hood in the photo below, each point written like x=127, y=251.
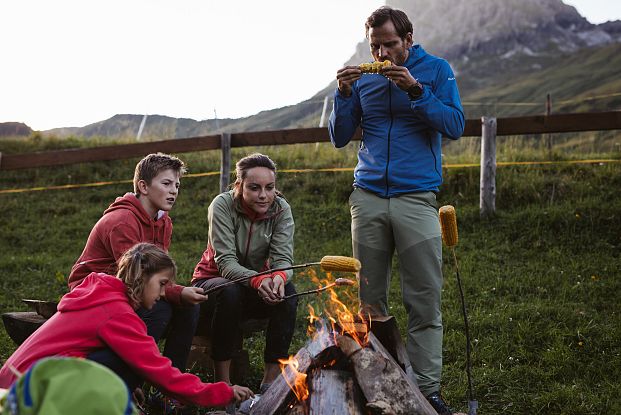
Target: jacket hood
x=96, y=289
x=131, y=202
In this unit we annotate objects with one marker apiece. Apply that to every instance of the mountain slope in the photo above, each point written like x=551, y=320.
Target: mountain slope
x=572, y=81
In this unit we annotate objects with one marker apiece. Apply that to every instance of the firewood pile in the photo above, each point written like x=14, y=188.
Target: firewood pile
x=343, y=372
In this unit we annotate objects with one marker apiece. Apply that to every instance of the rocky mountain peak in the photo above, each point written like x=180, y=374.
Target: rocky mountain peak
x=455, y=29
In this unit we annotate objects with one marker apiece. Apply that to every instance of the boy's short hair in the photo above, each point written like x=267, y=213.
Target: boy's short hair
x=153, y=164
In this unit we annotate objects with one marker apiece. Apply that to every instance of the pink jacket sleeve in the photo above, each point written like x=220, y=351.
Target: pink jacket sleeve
x=126, y=335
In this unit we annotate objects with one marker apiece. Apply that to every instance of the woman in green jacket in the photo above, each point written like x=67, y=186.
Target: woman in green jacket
x=250, y=230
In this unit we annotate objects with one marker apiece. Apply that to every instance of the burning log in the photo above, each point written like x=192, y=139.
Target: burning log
x=319, y=379
x=335, y=392
x=386, y=387
x=280, y=397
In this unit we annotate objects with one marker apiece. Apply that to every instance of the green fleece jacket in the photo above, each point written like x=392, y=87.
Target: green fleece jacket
x=241, y=243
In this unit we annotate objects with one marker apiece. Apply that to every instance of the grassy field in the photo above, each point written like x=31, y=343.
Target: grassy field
x=542, y=279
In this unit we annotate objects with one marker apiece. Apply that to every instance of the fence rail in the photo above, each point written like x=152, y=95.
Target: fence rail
x=541, y=124
x=488, y=128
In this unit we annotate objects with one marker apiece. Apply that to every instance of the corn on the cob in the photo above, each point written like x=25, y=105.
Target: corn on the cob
x=339, y=263
x=448, y=223
x=373, y=67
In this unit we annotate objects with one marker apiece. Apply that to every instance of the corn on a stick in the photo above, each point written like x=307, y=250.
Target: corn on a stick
x=340, y=263
x=328, y=263
x=448, y=223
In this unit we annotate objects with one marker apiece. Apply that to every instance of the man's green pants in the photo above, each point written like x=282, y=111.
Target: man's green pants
x=410, y=225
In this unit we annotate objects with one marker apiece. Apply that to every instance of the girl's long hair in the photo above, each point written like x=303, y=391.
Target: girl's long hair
x=138, y=264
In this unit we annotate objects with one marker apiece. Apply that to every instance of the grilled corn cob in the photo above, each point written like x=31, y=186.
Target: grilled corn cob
x=373, y=67
x=339, y=263
x=448, y=223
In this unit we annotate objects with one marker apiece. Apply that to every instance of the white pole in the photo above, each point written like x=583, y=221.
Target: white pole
x=216, y=118
x=323, y=111
x=144, y=121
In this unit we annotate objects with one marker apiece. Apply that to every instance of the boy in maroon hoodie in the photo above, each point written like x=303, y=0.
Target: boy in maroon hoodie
x=137, y=217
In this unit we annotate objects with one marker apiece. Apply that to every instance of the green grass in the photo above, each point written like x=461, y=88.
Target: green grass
x=542, y=279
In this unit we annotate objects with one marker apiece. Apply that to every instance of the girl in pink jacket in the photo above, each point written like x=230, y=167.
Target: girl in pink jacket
x=97, y=320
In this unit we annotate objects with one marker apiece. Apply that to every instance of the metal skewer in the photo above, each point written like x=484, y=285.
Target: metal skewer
x=339, y=282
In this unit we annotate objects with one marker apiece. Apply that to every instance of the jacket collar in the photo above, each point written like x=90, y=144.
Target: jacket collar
x=416, y=53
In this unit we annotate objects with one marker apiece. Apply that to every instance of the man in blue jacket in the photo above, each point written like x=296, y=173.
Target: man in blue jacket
x=403, y=112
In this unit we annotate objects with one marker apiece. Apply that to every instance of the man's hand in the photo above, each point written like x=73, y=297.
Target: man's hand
x=399, y=75
x=345, y=77
x=241, y=393
x=272, y=290
x=192, y=295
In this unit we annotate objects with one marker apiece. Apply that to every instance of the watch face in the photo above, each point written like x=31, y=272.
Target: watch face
x=415, y=91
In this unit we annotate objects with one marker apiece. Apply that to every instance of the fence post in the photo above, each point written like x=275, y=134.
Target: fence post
x=548, y=137
x=487, y=199
x=225, y=161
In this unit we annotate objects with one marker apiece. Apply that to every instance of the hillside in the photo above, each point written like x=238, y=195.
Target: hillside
x=571, y=81
x=509, y=51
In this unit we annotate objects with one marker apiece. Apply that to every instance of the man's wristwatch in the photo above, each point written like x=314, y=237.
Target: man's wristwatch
x=415, y=91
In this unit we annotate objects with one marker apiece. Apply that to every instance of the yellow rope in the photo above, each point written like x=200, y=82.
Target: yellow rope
x=334, y=169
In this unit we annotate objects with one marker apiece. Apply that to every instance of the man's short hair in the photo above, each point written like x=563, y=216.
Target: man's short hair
x=399, y=19
x=153, y=164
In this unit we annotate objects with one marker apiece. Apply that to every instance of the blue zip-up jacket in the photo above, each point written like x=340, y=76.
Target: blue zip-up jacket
x=400, y=151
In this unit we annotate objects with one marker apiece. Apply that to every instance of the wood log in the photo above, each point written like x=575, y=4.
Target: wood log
x=384, y=384
x=279, y=398
x=21, y=324
x=334, y=392
x=386, y=331
x=44, y=308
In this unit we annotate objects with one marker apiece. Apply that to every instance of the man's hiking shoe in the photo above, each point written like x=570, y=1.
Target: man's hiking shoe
x=436, y=401
x=158, y=403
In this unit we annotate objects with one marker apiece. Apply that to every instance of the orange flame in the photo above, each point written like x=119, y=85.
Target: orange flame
x=295, y=379
x=337, y=311
x=340, y=314
x=312, y=318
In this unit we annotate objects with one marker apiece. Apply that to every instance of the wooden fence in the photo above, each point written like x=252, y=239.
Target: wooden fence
x=488, y=128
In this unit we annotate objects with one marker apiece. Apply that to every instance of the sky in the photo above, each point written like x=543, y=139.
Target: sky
x=70, y=63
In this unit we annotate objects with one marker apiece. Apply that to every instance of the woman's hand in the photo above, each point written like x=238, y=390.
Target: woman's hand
x=241, y=393
x=272, y=290
x=192, y=295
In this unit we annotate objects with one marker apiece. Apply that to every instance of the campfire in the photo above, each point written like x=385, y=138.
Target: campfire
x=352, y=364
